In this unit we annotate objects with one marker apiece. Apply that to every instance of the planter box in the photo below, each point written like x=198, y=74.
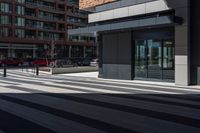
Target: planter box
x=70, y=70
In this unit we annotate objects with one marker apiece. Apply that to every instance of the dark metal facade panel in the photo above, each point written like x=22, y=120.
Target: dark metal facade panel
x=163, y=33
x=195, y=40
x=117, y=48
x=129, y=24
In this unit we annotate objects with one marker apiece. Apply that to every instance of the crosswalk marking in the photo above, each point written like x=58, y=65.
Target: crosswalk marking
x=74, y=104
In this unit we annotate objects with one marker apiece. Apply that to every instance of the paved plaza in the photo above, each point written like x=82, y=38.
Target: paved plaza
x=79, y=103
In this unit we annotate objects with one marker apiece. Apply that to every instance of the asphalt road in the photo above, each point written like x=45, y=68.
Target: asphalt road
x=68, y=104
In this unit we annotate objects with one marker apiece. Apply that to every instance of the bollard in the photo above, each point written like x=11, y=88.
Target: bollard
x=4, y=70
x=37, y=70
x=27, y=69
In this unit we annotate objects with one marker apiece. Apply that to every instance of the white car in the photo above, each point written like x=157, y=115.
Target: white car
x=94, y=62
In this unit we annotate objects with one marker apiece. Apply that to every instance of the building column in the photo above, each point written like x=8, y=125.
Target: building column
x=13, y=53
x=70, y=50
x=84, y=50
x=9, y=51
x=182, y=37
x=34, y=52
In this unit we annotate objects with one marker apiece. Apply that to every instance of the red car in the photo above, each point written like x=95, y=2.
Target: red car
x=12, y=62
x=41, y=62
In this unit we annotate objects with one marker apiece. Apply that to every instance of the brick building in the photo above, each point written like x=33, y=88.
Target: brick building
x=28, y=28
x=91, y=3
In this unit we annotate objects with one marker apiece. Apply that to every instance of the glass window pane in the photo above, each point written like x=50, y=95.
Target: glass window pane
x=168, y=60
x=140, y=59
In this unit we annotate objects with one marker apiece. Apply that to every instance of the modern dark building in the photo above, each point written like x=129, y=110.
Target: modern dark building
x=28, y=28
x=147, y=40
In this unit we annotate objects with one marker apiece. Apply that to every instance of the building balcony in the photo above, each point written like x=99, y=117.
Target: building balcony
x=72, y=22
x=41, y=28
x=47, y=38
x=30, y=40
x=50, y=18
x=44, y=7
x=8, y=1
x=80, y=15
x=82, y=41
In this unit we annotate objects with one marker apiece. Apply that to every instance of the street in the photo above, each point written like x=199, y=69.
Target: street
x=73, y=104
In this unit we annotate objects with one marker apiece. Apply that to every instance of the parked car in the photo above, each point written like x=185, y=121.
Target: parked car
x=63, y=62
x=12, y=62
x=28, y=62
x=83, y=62
x=94, y=62
x=41, y=62
x=1, y=62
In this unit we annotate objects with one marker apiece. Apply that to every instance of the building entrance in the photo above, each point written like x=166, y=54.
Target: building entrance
x=154, y=59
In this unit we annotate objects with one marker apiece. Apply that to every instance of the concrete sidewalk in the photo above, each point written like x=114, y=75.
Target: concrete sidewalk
x=149, y=83
x=84, y=74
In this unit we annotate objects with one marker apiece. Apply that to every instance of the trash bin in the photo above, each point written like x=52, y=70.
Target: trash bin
x=198, y=75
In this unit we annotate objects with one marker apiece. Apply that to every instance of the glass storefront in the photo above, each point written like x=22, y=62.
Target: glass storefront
x=24, y=53
x=77, y=52
x=154, y=59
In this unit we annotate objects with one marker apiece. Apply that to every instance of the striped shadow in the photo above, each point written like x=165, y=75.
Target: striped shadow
x=70, y=116
x=13, y=124
x=143, y=112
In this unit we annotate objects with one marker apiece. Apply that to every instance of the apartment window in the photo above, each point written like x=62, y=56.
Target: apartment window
x=20, y=21
x=5, y=31
x=40, y=24
x=20, y=1
x=73, y=1
x=77, y=51
x=5, y=7
x=30, y=34
x=20, y=10
x=69, y=27
x=89, y=52
x=19, y=33
x=5, y=20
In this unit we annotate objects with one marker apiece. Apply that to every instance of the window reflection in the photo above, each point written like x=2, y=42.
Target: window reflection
x=154, y=59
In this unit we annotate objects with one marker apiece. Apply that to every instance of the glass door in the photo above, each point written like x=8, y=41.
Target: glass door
x=168, y=60
x=154, y=59
x=140, y=59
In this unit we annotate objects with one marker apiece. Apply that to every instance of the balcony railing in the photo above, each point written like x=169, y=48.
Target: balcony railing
x=76, y=22
x=51, y=18
x=43, y=6
x=78, y=14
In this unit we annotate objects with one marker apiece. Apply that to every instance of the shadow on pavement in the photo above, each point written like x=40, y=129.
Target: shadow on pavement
x=113, y=113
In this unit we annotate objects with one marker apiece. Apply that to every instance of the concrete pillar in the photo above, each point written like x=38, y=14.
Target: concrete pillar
x=13, y=53
x=182, y=37
x=79, y=38
x=34, y=52
x=9, y=52
x=84, y=50
x=70, y=51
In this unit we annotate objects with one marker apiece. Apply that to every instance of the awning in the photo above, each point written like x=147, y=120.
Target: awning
x=145, y=22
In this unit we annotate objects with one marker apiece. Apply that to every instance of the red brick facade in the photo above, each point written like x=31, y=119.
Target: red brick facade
x=90, y=3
